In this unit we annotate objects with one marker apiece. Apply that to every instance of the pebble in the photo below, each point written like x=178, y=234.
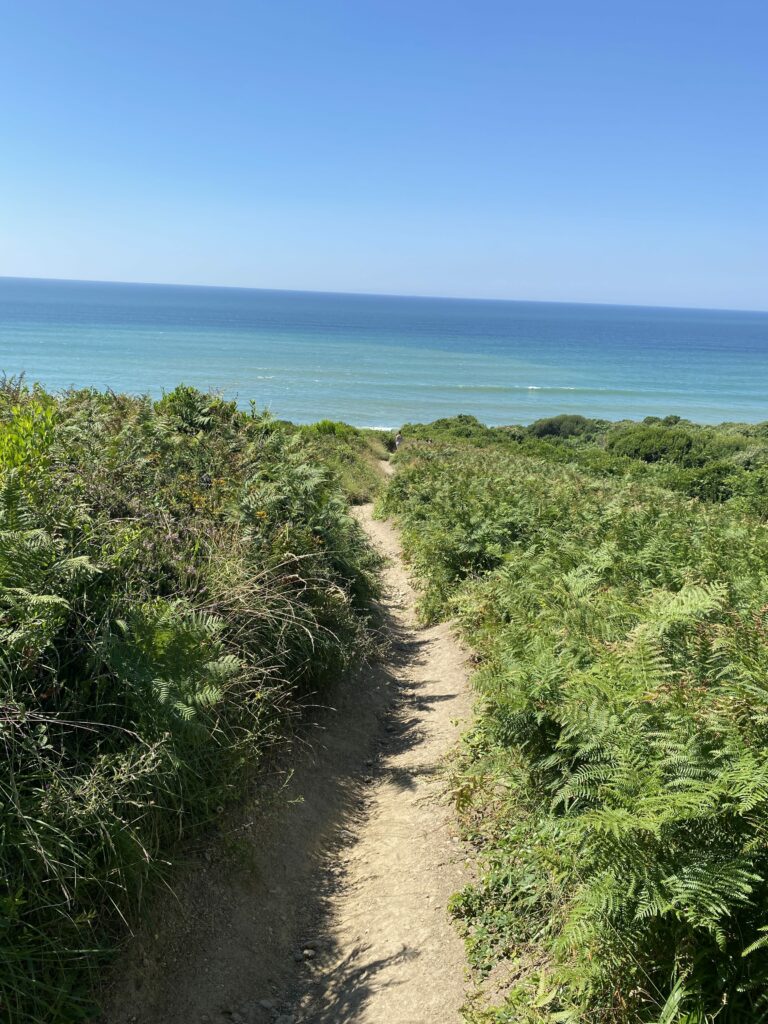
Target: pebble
x=308, y=954
x=267, y=1004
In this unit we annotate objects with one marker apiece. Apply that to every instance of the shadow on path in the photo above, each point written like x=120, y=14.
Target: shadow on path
x=246, y=937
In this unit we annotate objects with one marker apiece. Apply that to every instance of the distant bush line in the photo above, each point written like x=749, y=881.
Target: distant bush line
x=713, y=464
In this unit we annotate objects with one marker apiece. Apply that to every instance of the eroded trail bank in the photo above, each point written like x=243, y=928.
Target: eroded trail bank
x=336, y=909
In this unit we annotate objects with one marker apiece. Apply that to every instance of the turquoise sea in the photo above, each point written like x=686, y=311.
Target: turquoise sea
x=385, y=360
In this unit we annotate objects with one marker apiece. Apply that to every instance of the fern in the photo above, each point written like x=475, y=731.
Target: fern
x=625, y=710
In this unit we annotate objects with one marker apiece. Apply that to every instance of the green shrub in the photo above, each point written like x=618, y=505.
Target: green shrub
x=333, y=428
x=655, y=443
x=565, y=425
x=462, y=428
x=176, y=578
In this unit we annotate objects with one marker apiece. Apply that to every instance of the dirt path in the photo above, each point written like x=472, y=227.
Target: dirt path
x=401, y=960
x=335, y=912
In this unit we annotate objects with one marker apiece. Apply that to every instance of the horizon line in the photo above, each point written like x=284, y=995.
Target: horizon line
x=380, y=295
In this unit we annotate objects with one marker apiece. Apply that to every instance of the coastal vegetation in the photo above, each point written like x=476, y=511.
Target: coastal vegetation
x=612, y=580
x=177, y=580
x=180, y=579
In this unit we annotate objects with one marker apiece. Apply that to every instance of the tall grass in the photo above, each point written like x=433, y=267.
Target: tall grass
x=175, y=578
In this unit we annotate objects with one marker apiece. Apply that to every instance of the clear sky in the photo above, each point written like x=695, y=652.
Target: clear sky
x=610, y=151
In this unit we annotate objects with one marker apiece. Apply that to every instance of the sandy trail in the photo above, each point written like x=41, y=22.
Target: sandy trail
x=334, y=908
x=400, y=959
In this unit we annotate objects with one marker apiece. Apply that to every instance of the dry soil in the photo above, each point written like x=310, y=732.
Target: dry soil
x=329, y=907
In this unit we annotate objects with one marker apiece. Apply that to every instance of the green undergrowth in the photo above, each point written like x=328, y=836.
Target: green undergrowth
x=715, y=464
x=353, y=455
x=177, y=578
x=616, y=783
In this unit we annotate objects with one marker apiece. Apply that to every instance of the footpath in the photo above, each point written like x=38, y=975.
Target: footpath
x=331, y=908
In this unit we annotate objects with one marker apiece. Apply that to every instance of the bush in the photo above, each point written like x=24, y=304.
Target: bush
x=655, y=443
x=565, y=425
x=175, y=578
x=713, y=482
x=464, y=428
x=332, y=428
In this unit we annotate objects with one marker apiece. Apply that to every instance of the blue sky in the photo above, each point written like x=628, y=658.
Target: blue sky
x=587, y=151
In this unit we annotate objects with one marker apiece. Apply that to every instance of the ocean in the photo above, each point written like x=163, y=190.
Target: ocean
x=385, y=360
